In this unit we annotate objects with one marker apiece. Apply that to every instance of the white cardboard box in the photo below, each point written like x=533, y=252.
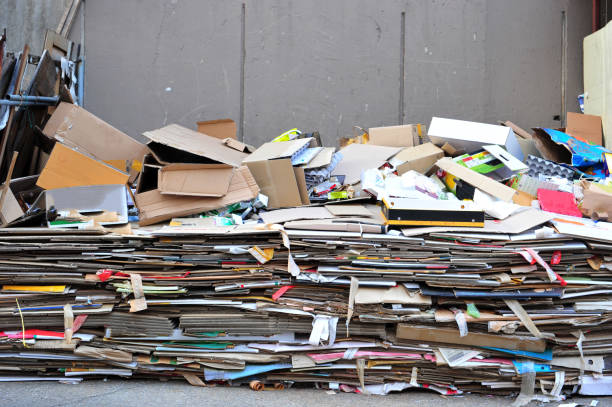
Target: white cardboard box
x=472, y=136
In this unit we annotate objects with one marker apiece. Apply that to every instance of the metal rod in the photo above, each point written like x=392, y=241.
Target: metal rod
x=24, y=103
x=81, y=69
x=563, y=67
x=27, y=98
x=402, y=78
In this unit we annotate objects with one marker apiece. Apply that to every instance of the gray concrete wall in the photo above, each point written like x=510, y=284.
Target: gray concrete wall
x=326, y=65
x=26, y=21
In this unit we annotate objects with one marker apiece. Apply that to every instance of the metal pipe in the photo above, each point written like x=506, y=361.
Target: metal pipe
x=24, y=103
x=42, y=99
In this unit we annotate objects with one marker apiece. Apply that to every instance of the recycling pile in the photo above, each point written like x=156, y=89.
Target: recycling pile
x=461, y=258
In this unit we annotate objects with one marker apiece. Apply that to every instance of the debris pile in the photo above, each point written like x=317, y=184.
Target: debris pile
x=459, y=257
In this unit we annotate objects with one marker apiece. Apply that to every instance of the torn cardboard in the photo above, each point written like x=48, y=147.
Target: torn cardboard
x=178, y=144
x=207, y=180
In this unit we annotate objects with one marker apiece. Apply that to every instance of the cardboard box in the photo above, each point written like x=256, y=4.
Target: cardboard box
x=420, y=158
x=67, y=167
x=77, y=128
x=471, y=136
x=272, y=168
x=221, y=128
x=584, y=126
x=396, y=136
x=212, y=180
x=422, y=212
x=90, y=199
x=155, y=207
x=178, y=144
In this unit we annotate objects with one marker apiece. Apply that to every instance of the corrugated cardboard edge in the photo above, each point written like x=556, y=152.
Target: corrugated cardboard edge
x=165, y=187
x=155, y=207
x=479, y=181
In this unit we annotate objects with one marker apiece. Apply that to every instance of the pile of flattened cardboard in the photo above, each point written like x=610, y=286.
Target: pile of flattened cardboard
x=465, y=257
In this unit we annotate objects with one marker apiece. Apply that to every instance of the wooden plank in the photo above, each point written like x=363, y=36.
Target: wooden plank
x=68, y=24
x=62, y=22
x=23, y=60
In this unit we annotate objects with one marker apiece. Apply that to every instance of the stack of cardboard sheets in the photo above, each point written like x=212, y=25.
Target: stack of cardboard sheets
x=449, y=310
x=466, y=257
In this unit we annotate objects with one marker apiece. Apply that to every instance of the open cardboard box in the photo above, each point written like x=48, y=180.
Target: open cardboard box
x=272, y=168
x=471, y=136
x=77, y=128
x=174, y=144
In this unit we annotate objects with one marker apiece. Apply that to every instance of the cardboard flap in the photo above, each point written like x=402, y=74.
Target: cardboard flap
x=69, y=168
x=510, y=161
x=419, y=158
x=359, y=157
x=276, y=150
x=276, y=179
x=178, y=144
x=471, y=136
x=76, y=127
x=195, y=179
x=477, y=180
x=584, y=126
x=237, y=145
x=394, y=136
x=522, y=133
x=221, y=128
x=155, y=207
x=323, y=159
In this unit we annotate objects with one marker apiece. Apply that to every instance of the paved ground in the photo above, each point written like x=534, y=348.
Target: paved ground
x=149, y=393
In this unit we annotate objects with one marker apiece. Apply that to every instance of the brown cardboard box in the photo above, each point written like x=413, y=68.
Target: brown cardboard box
x=77, y=128
x=396, y=136
x=178, y=144
x=155, y=207
x=584, y=126
x=212, y=180
x=271, y=167
x=67, y=167
x=221, y=128
x=420, y=158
